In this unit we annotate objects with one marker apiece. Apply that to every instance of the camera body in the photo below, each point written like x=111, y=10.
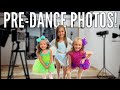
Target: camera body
x=101, y=33
x=18, y=35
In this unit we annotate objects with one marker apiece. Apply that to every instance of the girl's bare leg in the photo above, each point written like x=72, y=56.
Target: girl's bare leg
x=50, y=76
x=68, y=71
x=80, y=71
x=58, y=68
x=64, y=72
x=44, y=76
x=68, y=74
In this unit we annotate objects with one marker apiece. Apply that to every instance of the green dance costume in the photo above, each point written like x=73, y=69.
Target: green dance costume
x=38, y=68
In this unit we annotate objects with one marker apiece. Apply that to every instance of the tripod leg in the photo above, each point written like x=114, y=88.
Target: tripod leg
x=10, y=65
x=26, y=67
x=14, y=61
x=103, y=73
x=99, y=72
x=106, y=72
x=22, y=64
x=110, y=72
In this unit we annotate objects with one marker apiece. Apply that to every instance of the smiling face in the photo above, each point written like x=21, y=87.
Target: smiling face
x=60, y=35
x=43, y=44
x=77, y=45
x=61, y=32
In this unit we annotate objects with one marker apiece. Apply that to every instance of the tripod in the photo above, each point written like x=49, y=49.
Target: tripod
x=104, y=70
x=13, y=61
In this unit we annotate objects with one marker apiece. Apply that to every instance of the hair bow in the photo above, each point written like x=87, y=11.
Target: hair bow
x=84, y=41
x=40, y=38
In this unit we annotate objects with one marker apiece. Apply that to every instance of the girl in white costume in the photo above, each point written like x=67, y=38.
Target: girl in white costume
x=62, y=45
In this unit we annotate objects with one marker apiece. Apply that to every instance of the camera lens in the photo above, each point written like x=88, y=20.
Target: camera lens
x=98, y=33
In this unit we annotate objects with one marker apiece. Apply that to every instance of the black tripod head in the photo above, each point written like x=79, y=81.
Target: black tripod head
x=102, y=33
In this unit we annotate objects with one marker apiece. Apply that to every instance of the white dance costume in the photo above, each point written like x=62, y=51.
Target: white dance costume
x=61, y=51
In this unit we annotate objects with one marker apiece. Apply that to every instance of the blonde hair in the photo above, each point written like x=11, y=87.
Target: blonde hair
x=57, y=37
x=76, y=39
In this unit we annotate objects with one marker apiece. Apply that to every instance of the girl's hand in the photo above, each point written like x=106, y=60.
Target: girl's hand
x=82, y=61
x=46, y=67
x=68, y=69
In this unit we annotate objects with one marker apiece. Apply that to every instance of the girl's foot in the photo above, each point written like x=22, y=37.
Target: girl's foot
x=50, y=76
x=44, y=76
x=58, y=77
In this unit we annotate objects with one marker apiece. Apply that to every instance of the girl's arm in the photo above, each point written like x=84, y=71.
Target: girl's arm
x=69, y=62
x=53, y=47
x=51, y=58
x=88, y=55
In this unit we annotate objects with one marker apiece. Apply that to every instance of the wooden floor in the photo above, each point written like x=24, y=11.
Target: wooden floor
x=19, y=74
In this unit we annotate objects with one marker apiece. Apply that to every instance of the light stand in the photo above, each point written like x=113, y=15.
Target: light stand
x=103, y=72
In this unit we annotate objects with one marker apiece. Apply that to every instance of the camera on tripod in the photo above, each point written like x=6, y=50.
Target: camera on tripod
x=18, y=35
x=101, y=33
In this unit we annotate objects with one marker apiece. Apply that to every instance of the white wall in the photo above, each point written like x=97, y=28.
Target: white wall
x=95, y=44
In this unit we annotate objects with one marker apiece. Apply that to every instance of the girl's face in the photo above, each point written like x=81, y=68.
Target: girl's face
x=61, y=33
x=43, y=44
x=77, y=45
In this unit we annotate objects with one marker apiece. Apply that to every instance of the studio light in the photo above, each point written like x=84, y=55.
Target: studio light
x=115, y=35
x=104, y=69
x=101, y=33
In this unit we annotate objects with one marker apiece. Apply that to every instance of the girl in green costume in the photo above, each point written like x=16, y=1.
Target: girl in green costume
x=44, y=64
